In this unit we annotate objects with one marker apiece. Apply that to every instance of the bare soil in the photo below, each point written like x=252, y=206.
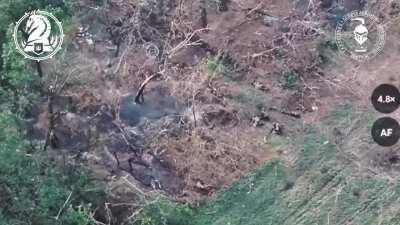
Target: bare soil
x=199, y=130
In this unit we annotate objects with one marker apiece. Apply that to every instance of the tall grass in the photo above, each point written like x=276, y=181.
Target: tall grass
x=321, y=188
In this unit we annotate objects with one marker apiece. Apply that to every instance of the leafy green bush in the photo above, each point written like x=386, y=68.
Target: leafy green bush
x=290, y=79
x=165, y=212
x=18, y=84
x=13, y=10
x=78, y=216
x=219, y=64
x=33, y=189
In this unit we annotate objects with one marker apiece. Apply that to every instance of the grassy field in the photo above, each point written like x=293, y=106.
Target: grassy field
x=321, y=188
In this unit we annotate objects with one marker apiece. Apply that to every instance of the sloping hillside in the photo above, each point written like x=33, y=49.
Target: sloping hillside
x=326, y=185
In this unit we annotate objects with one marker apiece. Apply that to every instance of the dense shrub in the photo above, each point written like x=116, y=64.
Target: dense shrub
x=33, y=189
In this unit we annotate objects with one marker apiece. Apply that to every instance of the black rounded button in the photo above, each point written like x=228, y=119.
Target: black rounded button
x=386, y=98
x=386, y=131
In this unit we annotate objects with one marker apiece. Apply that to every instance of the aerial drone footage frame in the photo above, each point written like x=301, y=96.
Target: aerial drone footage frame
x=199, y=112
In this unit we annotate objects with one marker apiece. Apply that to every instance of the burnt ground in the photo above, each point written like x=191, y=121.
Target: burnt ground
x=233, y=75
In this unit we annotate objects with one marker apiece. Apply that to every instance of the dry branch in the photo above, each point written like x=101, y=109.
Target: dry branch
x=294, y=114
x=64, y=205
x=139, y=94
x=188, y=41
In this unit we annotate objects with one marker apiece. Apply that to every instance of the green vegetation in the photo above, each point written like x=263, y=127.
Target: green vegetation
x=321, y=188
x=328, y=51
x=11, y=11
x=219, y=5
x=33, y=189
x=249, y=101
x=219, y=64
x=340, y=114
x=17, y=90
x=163, y=211
x=290, y=79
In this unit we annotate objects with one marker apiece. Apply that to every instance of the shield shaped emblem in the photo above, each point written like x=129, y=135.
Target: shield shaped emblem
x=38, y=48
